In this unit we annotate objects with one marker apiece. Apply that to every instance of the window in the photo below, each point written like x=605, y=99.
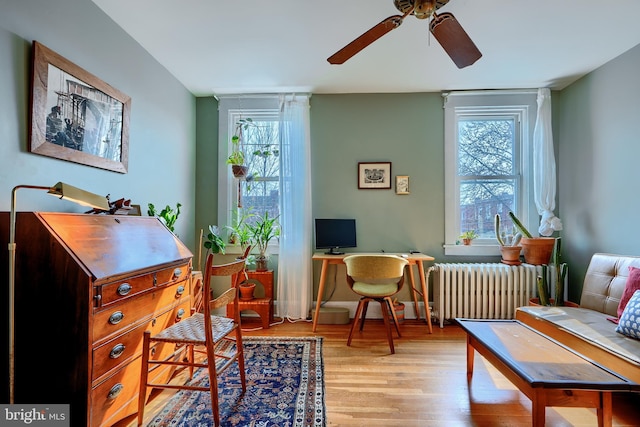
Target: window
x=487, y=165
x=259, y=192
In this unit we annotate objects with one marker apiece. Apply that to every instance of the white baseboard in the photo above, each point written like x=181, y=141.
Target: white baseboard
x=374, y=311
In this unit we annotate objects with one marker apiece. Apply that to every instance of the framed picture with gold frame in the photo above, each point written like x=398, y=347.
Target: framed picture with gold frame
x=75, y=116
x=402, y=184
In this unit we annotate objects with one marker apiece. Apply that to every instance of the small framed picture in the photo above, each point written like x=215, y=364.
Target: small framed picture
x=374, y=175
x=402, y=184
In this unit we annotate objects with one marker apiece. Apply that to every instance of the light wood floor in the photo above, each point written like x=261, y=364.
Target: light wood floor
x=423, y=384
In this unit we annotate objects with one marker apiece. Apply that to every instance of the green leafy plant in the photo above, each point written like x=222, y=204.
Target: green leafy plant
x=168, y=215
x=240, y=231
x=237, y=154
x=263, y=231
x=469, y=234
x=214, y=243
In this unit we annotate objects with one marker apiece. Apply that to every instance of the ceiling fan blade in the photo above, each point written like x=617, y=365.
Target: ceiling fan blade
x=454, y=40
x=373, y=34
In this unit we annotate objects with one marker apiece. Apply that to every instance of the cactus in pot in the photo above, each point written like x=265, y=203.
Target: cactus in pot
x=509, y=244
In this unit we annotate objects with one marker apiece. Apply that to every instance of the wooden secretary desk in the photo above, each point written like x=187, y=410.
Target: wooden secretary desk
x=87, y=287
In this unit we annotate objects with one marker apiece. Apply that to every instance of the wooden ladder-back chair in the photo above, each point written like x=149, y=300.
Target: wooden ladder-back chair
x=219, y=337
x=375, y=278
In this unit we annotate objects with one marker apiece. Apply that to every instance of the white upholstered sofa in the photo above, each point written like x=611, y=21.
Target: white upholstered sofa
x=587, y=329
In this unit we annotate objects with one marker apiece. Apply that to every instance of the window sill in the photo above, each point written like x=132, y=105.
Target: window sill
x=475, y=250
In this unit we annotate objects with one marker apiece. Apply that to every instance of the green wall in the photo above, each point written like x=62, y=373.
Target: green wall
x=206, y=208
x=596, y=121
x=404, y=129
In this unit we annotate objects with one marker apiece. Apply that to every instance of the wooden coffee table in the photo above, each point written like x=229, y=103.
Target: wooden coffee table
x=546, y=371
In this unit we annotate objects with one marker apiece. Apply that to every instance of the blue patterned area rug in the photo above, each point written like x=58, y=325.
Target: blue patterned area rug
x=285, y=387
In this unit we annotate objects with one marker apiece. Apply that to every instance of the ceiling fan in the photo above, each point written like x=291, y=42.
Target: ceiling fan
x=444, y=27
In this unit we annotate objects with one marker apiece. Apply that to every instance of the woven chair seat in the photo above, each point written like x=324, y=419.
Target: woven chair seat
x=191, y=330
x=221, y=348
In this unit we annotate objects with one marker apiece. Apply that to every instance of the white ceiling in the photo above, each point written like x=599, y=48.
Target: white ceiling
x=269, y=46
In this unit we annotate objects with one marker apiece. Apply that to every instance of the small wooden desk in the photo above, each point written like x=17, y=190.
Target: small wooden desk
x=414, y=259
x=547, y=372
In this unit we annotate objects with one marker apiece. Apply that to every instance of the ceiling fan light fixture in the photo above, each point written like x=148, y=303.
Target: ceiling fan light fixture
x=424, y=9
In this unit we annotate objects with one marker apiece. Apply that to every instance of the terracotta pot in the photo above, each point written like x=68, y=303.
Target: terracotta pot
x=511, y=254
x=246, y=291
x=262, y=263
x=536, y=302
x=239, y=171
x=537, y=250
x=466, y=242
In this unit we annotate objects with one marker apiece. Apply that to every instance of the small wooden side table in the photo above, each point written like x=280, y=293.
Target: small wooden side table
x=262, y=303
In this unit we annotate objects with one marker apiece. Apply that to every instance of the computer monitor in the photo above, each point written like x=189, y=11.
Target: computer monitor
x=334, y=234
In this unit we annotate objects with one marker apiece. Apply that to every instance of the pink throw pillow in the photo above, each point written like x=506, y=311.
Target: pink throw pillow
x=633, y=284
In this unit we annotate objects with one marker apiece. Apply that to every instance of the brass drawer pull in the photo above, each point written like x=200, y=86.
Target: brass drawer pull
x=115, y=391
x=180, y=313
x=116, y=317
x=124, y=289
x=180, y=290
x=116, y=351
x=177, y=272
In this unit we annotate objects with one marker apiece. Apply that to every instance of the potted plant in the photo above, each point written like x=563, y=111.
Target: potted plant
x=560, y=271
x=537, y=250
x=246, y=290
x=240, y=231
x=468, y=236
x=262, y=231
x=168, y=215
x=215, y=243
x=236, y=158
x=509, y=244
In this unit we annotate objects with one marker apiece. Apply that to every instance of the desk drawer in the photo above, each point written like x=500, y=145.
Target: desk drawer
x=123, y=348
x=121, y=316
x=115, y=292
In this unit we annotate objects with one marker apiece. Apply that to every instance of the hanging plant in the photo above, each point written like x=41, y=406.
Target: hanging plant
x=237, y=158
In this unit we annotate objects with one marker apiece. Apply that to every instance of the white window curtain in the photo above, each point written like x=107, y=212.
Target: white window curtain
x=295, y=273
x=544, y=166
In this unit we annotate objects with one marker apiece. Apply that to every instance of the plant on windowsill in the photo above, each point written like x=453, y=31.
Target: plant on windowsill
x=468, y=236
x=537, y=250
x=262, y=232
x=509, y=244
x=240, y=231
